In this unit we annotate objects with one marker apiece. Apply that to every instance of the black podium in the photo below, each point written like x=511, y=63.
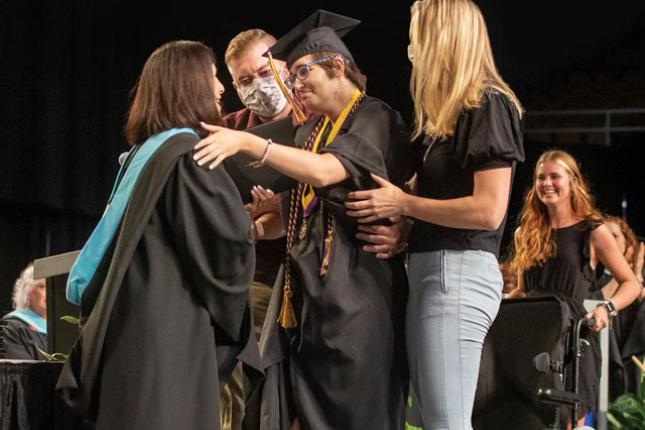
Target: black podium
x=28, y=400
x=60, y=334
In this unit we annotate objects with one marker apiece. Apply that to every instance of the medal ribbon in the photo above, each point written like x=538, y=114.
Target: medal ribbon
x=308, y=199
x=303, y=197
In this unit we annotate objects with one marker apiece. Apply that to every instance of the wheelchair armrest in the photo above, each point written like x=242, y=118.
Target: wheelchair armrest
x=558, y=397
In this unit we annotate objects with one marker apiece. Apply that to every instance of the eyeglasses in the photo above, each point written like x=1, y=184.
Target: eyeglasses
x=302, y=72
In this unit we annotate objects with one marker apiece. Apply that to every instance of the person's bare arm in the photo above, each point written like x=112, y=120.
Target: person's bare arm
x=318, y=170
x=269, y=226
x=628, y=289
x=385, y=240
x=483, y=210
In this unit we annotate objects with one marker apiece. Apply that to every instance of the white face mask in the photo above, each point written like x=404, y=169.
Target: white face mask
x=263, y=97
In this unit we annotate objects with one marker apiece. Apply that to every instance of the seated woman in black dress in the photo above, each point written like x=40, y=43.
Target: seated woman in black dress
x=559, y=231
x=626, y=338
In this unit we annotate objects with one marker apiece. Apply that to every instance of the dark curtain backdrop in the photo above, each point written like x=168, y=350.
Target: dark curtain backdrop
x=68, y=67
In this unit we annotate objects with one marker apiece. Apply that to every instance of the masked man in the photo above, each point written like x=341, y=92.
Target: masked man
x=264, y=102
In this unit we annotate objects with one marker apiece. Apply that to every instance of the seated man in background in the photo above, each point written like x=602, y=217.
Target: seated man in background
x=25, y=328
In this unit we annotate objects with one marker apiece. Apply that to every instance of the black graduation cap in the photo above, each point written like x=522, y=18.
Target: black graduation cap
x=320, y=31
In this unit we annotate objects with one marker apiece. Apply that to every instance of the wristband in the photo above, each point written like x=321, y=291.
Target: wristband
x=259, y=163
x=610, y=307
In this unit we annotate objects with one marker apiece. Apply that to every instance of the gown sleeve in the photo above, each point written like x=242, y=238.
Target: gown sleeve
x=375, y=140
x=20, y=343
x=210, y=231
x=489, y=136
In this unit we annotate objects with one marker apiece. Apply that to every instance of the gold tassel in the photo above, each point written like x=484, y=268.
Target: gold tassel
x=638, y=363
x=299, y=114
x=324, y=266
x=287, y=317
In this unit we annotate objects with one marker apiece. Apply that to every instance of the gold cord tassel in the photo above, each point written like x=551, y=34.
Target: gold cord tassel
x=299, y=114
x=287, y=317
x=329, y=239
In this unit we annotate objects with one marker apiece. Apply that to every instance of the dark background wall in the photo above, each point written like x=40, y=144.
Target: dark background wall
x=68, y=66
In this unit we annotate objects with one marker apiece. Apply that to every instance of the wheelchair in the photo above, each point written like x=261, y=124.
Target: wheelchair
x=528, y=376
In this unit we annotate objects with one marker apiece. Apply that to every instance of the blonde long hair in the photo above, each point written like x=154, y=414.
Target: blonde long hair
x=452, y=64
x=534, y=242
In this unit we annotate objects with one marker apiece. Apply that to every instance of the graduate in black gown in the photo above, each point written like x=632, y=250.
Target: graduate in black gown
x=163, y=280
x=335, y=359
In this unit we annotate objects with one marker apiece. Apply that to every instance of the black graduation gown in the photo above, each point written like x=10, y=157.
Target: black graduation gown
x=21, y=342
x=343, y=366
x=166, y=312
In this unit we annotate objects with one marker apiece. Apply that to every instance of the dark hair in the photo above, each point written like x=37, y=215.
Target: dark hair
x=176, y=88
x=352, y=72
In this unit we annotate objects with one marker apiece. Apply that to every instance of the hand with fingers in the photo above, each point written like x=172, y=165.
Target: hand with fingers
x=220, y=144
x=379, y=203
x=263, y=201
x=515, y=294
x=385, y=240
x=601, y=316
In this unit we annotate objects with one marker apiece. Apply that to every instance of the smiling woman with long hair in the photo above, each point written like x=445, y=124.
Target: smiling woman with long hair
x=559, y=231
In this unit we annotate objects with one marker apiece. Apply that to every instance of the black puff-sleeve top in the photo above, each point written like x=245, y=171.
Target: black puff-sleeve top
x=486, y=137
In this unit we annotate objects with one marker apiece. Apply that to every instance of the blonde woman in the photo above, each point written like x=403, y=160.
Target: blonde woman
x=559, y=231
x=470, y=120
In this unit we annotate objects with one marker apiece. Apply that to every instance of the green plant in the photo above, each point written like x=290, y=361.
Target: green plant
x=70, y=319
x=627, y=412
x=59, y=356
x=408, y=425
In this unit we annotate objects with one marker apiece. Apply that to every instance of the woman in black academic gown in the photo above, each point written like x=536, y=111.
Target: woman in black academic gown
x=163, y=280
x=336, y=355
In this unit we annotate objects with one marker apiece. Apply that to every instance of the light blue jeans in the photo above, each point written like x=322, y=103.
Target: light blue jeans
x=454, y=298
